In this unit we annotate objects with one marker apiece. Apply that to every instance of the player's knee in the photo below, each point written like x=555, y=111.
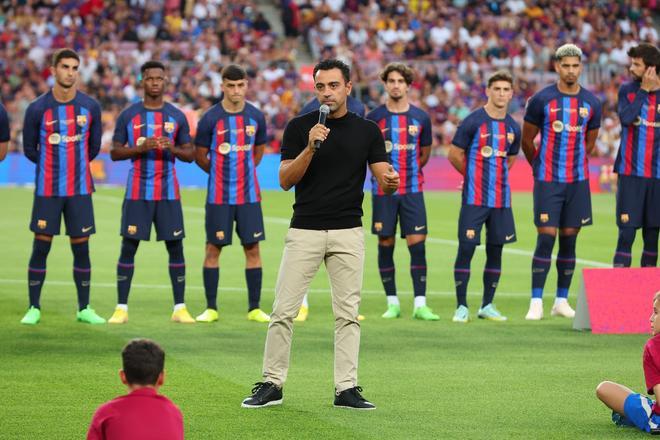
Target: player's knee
x=465, y=253
x=386, y=241
x=211, y=255
x=128, y=250
x=602, y=389
x=626, y=237
x=545, y=243
x=175, y=249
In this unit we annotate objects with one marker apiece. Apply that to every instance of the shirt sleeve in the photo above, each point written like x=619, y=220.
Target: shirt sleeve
x=534, y=111
x=183, y=133
x=4, y=125
x=204, y=135
x=261, y=137
x=594, y=121
x=426, y=138
x=651, y=370
x=377, y=151
x=629, y=111
x=120, y=134
x=31, y=127
x=293, y=142
x=95, y=131
x=515, y=145
x=463, y=135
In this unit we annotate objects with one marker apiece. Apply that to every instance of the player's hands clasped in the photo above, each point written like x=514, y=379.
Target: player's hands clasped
x=390, y=179
x=317, y=133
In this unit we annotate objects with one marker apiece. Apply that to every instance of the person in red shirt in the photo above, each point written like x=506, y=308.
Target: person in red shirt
x=142, y=413
x=630, y=408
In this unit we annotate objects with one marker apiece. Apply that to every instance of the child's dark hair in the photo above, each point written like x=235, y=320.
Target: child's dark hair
x=143, y=361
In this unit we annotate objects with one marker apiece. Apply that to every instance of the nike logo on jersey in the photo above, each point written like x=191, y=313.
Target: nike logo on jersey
x=585, y=220
x=49, y=123
x=257, y=234
x=483, y=136
x=136, y=127
x=177, y=233
x=419, y=228
x=221, y=132
x=555, y=110
x=87, y=229
x=509, y=237
x=385, y=129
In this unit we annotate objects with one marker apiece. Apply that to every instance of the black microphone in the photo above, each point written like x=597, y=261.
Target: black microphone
x=323, y=113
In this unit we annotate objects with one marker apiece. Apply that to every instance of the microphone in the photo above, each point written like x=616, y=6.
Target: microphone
x=323, y=113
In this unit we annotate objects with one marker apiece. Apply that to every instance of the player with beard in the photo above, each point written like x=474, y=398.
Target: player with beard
x=638, y=160
x=568, y=118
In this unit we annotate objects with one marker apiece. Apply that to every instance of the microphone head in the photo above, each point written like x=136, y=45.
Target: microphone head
x=324, y=109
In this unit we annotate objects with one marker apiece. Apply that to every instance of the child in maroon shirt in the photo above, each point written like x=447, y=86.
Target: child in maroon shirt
x=628, y=407
x=142, y=414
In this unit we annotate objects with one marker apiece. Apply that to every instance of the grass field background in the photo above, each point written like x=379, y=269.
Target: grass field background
x=429, y=379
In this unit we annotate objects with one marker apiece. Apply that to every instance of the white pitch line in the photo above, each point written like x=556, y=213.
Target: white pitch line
x=285, y=221
x=243, y=289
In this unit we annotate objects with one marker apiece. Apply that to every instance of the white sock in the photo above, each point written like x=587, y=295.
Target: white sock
x=124, y=307
x=305, y=303
x=420, y=301
x=179, y=306
x=537, y=301
x=560, y=300
x=392, y=300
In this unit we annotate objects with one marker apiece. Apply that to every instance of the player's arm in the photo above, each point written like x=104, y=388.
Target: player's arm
x=182, y=152
x=629, y=111
x=202, y=158
x=258, y=153
x=121, y=152
x=510, y=160
x=386, y=175
x=590, y=140
x=4, y=146
x=456, y=157
x=529, y=132
x=424, y=155
x=292, y=170
x=95, y=132
x=4, y=133
x=30, y=134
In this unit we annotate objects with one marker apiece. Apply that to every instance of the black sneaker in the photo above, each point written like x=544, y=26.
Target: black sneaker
x=351, y=398
x=263, y=394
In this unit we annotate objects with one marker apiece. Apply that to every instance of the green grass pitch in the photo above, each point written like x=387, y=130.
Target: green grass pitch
x=428, y=379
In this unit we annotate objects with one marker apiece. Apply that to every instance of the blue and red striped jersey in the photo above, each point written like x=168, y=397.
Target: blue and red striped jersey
x=487, y=142
x=153, y=176
x=4, y=124
x=639, y=153
x=404, y=133
x=231, y=138
x=563, y=121
x=62, y=138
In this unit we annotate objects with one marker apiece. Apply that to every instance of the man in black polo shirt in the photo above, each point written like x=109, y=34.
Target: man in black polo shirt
x=326, y=226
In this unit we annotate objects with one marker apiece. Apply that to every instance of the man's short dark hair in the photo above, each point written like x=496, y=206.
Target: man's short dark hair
x=61, y=54
x=143, y=361
x=233, y=72
x=405, y=71
x=649, y=54
x=333, y=64
x=152, y=64
x=500, y=75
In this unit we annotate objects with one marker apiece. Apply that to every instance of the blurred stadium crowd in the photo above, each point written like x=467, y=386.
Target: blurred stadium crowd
x=453, y=45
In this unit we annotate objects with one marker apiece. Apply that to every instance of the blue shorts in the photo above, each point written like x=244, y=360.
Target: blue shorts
x=638, y=409
x=562, y=205
x=500, y=228
x=78, y=214
x=409, y=208
x=138, y=215
x=637, y=202
x=220, y=221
